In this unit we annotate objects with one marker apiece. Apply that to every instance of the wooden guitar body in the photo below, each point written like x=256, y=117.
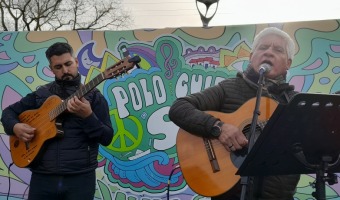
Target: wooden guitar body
x=206, y=165
x=23, y=153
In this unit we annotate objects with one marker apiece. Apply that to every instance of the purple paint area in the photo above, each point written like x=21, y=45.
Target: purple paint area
x=7, y=37
x=22, y=173
x=146, y=53
x=7, y=67
x=166, y=169
x=18, y=189
x=101, y=163
x=29, y=59
x=4, y=56
x=9, y=97
x=298, y=82
x=47, y=71
x=85, y=36
x=335, y=48
x=314, y=65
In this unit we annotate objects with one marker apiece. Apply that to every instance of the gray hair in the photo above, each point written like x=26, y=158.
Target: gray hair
x=290, y=48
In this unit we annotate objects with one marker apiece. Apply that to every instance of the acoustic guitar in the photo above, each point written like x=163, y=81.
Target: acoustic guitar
x=44, y=118
x=207, y=167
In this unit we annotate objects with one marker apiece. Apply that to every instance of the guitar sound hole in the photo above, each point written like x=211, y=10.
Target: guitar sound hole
x=246, y=130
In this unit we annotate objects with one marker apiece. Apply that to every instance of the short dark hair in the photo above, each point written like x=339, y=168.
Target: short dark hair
x=58, y=49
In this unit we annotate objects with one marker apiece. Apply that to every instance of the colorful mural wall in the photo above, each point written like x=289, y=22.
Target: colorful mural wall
x=175, y=62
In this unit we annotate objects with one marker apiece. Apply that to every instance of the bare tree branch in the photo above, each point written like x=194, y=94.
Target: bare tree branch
x=2, y=10
x=38, y=15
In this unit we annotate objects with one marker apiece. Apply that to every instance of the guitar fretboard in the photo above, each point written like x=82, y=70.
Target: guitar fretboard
x=79, y=93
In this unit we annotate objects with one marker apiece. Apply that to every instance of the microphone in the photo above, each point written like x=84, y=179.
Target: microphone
x=264, y=68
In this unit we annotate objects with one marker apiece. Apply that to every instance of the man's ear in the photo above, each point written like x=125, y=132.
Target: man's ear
x=76, y=60
x=51, y=69
x=289, y=64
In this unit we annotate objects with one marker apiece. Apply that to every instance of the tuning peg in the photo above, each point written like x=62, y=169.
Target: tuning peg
x=135, y=59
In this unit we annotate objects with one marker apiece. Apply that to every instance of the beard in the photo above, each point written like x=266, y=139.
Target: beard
x=67, y=77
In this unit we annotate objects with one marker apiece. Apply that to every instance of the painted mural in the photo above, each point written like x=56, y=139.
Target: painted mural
x=141, y=162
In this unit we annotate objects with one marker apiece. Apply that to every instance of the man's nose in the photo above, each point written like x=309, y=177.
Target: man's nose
x=270, y=50
x=64, y=69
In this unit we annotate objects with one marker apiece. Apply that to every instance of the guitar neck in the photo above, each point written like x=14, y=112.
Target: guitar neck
x=79, y=93
x=87, y=88
x=113, y=71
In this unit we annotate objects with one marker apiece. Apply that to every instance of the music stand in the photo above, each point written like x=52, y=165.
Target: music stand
x=301, y=137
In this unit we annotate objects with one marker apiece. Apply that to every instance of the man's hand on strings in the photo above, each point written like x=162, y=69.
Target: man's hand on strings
x=24, y=131
x=80, y=107
x=232, y=137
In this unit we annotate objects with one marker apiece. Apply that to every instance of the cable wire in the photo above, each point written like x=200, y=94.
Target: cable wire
x=172, y=171
x=9, y=180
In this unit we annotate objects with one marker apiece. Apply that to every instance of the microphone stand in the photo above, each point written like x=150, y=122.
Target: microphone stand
x=245, y=180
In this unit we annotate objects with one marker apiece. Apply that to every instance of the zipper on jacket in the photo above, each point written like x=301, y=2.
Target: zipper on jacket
x=89, y=155
x=58, y=155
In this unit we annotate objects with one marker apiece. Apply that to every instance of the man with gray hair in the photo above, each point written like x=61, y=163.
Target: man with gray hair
x=273, y=48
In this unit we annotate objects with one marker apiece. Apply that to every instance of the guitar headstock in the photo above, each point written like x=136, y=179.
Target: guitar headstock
x=121, y=67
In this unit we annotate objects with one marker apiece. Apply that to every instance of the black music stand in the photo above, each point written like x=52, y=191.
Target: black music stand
x=302, y=137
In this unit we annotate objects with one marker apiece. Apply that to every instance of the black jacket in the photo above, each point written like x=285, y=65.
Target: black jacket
x=76, y=151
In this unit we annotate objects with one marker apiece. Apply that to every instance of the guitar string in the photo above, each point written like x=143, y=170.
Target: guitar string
x=88, y=87
x=245, y=130
x=79, y=93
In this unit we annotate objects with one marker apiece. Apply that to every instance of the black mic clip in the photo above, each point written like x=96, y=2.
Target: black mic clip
x=264, y=68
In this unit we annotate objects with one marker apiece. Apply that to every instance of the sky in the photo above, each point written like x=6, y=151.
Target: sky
x=184, y=13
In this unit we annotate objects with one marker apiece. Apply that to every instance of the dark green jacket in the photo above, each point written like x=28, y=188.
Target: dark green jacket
x=227, y=97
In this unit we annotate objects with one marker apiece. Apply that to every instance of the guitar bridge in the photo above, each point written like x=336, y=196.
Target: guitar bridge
x=211, y=154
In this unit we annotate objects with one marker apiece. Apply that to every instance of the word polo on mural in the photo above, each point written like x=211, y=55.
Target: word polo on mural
x=153, y=90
